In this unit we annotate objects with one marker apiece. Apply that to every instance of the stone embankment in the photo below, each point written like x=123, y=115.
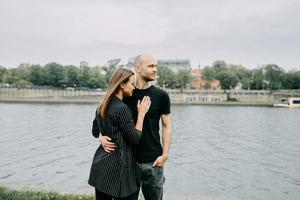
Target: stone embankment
x=185, y=97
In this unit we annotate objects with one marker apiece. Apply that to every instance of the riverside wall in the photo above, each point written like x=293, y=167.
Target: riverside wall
x=205, y=97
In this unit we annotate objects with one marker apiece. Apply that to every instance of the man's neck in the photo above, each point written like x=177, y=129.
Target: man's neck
x=141, y=84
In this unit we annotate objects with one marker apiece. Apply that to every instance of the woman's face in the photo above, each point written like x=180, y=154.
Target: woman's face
x=128, y=87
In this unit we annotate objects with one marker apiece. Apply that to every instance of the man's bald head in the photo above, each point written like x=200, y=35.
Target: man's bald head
x=145, y=67
x=145, y=59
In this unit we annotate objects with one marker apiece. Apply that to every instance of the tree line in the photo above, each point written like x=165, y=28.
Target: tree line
x=267, y=77
x=270, y=77
x=57, y=75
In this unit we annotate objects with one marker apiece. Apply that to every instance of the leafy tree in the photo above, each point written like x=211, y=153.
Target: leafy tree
x=17, y=74
x=84, y=76
x=256, y=81
x=23, y=72
x=72, y=74
x=12, y=76
x=55, y=75
x=243, y=75
x=184, y=76
x=3, y=72
x=36, y=76
x=166, y=77
x=228, y=79
x=92, y=82
x=296, y=81
x=219, y=66
x=109, y=67
x=291, y=80
x=97, y=80
x=274, y=76
x=208, y=73
x=23, y=83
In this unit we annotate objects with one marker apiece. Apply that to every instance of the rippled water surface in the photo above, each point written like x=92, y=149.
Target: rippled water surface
x=242, y=152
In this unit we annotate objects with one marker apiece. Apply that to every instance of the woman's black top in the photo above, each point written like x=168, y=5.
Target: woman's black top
x=114, y=173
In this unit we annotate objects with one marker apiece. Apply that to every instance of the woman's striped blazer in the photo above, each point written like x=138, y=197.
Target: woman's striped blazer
x=114, y=173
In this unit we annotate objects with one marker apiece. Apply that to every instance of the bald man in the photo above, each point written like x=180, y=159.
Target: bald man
x=151, y=155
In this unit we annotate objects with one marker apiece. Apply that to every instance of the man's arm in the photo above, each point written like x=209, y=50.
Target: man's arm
x=107, y=146
x=166, y=140
x=104, y=140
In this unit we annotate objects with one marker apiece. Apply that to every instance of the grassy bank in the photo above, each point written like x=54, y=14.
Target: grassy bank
x=10, y=194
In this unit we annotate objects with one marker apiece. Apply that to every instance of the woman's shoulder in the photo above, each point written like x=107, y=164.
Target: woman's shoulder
x=118, y=107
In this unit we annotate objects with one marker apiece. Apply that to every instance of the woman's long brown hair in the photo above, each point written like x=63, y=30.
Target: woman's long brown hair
x=121, y=75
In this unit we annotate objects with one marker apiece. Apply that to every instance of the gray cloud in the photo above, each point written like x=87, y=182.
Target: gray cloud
x=240, y=32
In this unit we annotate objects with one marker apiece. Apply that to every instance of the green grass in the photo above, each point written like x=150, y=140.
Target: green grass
x=9, y=194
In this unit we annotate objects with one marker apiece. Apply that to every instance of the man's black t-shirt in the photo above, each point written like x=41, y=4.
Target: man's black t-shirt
x=150, y=147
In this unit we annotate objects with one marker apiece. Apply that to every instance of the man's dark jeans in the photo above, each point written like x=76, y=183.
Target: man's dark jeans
x=151, y=180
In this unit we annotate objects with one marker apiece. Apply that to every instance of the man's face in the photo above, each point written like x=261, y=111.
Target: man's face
x=148, y=69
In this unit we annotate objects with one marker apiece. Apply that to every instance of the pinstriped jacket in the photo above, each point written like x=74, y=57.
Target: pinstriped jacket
x=114, y=173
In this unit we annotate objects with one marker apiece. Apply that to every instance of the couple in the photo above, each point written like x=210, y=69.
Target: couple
x=131, y=155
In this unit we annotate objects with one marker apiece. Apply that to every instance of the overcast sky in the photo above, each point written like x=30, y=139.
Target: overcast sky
x=251, y=33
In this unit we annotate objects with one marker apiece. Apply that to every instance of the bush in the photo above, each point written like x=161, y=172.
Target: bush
x=8, y=194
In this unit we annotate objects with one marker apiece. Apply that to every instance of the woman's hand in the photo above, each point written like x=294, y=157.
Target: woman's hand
x=144, y=105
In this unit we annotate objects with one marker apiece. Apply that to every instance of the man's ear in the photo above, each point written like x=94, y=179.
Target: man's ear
x=137, y=67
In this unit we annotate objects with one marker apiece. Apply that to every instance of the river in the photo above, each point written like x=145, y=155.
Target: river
x=217, y=151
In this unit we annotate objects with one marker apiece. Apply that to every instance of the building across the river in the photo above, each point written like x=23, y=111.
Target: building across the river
x=174, y=64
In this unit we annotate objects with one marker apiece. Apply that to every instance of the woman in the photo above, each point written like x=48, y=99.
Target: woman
x=113, y=174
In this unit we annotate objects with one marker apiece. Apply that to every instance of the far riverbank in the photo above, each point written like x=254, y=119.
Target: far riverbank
x=74, y=101
x=178, y=97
